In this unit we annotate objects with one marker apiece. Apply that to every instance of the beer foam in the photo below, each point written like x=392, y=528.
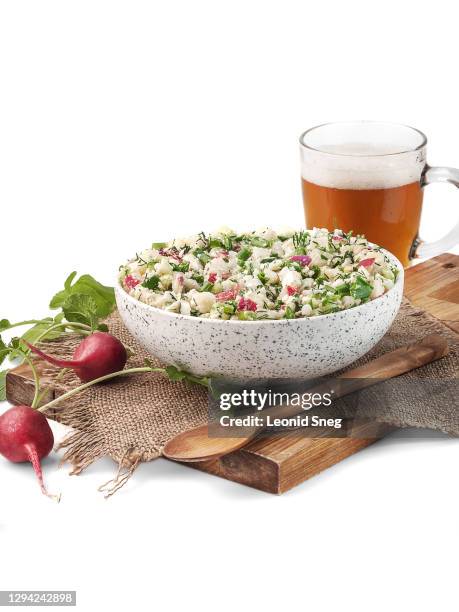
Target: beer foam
x=357, y=166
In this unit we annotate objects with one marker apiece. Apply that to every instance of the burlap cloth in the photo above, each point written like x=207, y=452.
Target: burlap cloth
x=131, y=419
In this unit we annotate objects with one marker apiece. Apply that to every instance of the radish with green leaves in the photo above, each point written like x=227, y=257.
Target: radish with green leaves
x=84, y=303
x=25, y=434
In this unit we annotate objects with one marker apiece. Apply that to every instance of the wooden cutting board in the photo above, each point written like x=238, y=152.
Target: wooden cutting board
x=276, y=464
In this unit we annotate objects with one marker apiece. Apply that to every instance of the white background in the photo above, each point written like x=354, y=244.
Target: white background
x=125, y=122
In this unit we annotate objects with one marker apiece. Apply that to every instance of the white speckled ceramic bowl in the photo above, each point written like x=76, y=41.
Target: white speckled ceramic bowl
x=286, y=348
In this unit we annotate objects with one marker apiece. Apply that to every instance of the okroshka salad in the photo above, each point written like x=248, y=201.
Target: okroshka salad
x=259, y=275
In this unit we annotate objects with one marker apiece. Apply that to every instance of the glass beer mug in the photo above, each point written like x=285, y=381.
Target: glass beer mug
x=369, y=177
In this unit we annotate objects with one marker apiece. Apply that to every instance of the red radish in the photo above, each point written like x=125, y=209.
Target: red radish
x=212, y=277
x=130, y=282
x=366, y=263
x=338, y=238
x=303, y=260
x=291, y=290
x=97, y=355
x=223, y=296
x=247, y=304
x=25, y=435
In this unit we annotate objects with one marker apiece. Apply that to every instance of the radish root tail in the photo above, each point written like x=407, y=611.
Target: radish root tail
x=35, y=461
x=60, y=363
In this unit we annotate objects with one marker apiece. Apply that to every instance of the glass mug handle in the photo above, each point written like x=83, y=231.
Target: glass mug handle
x=438, y=174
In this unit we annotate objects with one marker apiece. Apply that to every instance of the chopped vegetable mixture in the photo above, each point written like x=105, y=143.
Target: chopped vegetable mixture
x=259, y=275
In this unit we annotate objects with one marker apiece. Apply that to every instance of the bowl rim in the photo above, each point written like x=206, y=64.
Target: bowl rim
x=179, y=316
